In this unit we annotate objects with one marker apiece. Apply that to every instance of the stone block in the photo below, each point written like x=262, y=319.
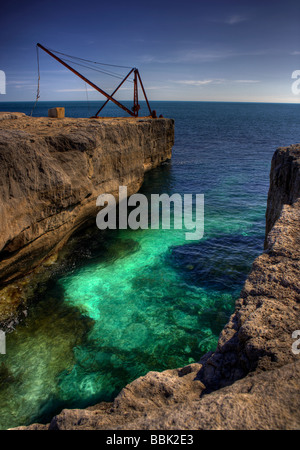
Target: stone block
x=58, y=113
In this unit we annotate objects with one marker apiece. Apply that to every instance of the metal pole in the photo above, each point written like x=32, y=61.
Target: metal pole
x=136, y=105
x=114, y=92
x=144, y=92
x=109, y=97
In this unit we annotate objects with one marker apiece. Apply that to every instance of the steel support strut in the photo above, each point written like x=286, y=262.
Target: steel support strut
x=105, y=103
x=137, y=78
x=109, y=97
x=136, y=106
x=140, y=80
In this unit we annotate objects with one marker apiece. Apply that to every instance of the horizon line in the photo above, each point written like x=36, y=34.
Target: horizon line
x=186, y=101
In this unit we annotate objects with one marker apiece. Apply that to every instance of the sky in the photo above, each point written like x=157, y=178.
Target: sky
x=216, y=50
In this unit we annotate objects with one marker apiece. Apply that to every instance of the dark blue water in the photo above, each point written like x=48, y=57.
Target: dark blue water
x=121, y=303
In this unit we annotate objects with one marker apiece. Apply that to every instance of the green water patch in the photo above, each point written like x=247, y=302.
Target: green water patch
x=146, y=316
x=97, y=325
x=37, y=351
x=120, y=303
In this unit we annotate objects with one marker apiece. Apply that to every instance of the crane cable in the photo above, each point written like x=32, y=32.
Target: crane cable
x=110, y=73
x=88, y=60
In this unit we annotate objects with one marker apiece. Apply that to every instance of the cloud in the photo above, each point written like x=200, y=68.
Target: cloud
x=213, y=81
x=201, y=56
x=183, y=56
x=234, y=19
x=21, y=84
x=296, y=52
x=53, y=71
x=148, y=88
x=25, y=86
x=246, y=81
x=194, y=82
x=75, y=90
x=157, y=87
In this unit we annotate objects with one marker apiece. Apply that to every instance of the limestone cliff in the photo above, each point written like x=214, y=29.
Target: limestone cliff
x=284, y=183
x=51, y=172
x=259, y=333
x=252, y=380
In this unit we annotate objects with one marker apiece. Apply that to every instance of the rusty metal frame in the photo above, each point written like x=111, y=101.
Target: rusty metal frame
x=137, y=78
x=105, y=103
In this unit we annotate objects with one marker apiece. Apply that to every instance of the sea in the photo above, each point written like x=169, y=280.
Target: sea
x=120, y=303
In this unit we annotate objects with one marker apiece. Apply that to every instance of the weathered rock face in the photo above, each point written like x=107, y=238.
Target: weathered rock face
x=284, y=183
x=259, y=333
x=52, y=171
x=165, y=401
x=252, y=380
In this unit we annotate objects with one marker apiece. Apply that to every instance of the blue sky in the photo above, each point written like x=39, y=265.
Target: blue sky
x=185, y=50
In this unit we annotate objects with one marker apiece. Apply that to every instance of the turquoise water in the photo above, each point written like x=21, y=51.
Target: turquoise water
x=121, y=302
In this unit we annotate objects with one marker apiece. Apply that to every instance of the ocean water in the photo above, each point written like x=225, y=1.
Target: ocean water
x=122, y=302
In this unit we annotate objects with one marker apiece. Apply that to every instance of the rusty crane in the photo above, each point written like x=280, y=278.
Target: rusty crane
x=136, y=81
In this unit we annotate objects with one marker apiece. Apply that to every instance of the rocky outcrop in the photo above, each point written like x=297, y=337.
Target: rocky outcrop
x=258, y=335
x=10, y=115
x=252, y=379
x=264, y=401
x=52, y=171
x=284, y=183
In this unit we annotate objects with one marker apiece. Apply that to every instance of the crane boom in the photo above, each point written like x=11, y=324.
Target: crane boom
x=86, y=80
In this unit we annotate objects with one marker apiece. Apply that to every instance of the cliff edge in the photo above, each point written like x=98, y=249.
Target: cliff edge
x=52, y=171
